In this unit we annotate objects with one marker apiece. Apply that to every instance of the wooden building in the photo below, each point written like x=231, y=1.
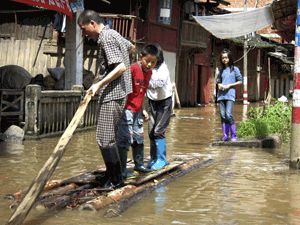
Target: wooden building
x=29, y=38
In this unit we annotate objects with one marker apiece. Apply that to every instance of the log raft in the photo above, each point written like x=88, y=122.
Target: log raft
x=83, y=192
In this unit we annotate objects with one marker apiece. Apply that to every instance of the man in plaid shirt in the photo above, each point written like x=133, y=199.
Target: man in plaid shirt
x=113, y=87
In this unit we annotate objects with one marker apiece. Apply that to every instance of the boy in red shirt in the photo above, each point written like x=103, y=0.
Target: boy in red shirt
x=130, y=131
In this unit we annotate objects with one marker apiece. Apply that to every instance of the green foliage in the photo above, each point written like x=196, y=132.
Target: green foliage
x=263, y=121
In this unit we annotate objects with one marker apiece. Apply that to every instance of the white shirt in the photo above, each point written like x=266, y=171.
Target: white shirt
x=160, y=86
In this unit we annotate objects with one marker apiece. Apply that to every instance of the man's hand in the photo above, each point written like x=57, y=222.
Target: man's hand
x=95, y=88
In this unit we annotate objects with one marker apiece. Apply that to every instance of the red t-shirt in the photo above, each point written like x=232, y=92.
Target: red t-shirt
x=140, y=83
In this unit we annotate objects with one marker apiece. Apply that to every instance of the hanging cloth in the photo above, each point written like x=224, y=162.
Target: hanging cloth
x=236, y=24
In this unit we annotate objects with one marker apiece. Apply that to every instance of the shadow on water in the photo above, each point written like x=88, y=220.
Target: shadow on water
x=242, y=186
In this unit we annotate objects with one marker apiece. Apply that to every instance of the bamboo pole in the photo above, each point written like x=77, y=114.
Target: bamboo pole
x=45, y=173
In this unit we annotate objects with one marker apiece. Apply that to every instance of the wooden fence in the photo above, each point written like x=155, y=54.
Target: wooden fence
x=11, y=107
x=48, y=113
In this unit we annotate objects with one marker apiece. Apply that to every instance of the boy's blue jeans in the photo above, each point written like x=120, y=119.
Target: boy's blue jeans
x=226, y=109
x=130, y=129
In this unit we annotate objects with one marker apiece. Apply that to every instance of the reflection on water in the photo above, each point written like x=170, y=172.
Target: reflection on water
x=241, y=186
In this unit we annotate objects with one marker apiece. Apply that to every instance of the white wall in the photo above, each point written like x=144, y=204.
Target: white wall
x=170, y=58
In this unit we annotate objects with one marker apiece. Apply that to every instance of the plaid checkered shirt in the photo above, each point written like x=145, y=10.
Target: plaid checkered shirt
x=113, y=49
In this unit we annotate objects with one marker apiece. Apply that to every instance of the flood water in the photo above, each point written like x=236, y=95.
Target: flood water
x=240, y=186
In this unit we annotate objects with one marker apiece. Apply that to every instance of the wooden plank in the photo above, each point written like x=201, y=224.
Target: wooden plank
x=26, y=54
x=45, y=173
x=20, y=57
x=31, y=56
x=152, y=175
x=16, y=52
x=9, y=57
x=1, y=52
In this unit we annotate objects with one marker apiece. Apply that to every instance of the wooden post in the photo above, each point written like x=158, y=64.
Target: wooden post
x=269, y=94
x=258, y=66
x=79, y=88
x=176, y=96
x=74, y=53
x=32, y=97
x=245, y=80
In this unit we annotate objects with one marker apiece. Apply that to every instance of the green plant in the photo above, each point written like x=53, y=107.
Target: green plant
x=263, y=121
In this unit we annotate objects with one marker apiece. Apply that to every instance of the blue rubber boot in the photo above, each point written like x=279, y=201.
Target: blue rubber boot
x=161, y=160
x=153, y=154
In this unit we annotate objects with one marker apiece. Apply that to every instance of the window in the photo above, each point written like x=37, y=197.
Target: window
x=165, y=12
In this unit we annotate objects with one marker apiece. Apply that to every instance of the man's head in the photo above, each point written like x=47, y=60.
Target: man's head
x=90, y=23
x=149, y=56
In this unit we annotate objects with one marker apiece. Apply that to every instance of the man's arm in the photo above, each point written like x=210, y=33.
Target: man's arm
x=112, y=75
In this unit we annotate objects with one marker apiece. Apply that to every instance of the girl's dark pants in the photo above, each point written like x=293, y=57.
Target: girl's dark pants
x=160, y=113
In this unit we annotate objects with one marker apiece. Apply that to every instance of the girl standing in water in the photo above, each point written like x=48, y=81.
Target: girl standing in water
x=229, y=77
x=159, y=94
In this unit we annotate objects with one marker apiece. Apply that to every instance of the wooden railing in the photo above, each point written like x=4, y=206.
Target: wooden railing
x=49, y=113
x=11, y=106
x=193, y=35
x=126, y=25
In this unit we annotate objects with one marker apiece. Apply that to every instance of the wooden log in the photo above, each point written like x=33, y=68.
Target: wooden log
x=63, y=198
x=149, y=176
x=59, y=191
x=45, y=173
x=82, y=178
x=89, y=197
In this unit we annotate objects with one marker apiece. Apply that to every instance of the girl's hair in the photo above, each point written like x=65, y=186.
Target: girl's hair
x=230, y=63
x=161, y=58
x=87, y=16
x=151, y=49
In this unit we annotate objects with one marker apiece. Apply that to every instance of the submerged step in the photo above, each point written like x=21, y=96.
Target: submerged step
x=267, y=142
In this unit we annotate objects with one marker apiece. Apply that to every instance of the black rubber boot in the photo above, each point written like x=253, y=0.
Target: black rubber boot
x=113, y=167
x=138, y=157
x=123, y=152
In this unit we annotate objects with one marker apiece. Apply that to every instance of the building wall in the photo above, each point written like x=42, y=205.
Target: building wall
x=170, y=59
x=195, y=83
x=165, y=35
x=250, y=3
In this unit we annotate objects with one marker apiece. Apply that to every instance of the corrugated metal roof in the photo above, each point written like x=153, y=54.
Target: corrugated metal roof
x=254, y=41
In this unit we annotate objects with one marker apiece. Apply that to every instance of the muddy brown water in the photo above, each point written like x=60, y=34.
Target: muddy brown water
x=241, y=186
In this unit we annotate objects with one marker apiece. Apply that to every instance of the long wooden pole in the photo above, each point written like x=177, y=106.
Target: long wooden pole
x=45, y=173
x=245, y=79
